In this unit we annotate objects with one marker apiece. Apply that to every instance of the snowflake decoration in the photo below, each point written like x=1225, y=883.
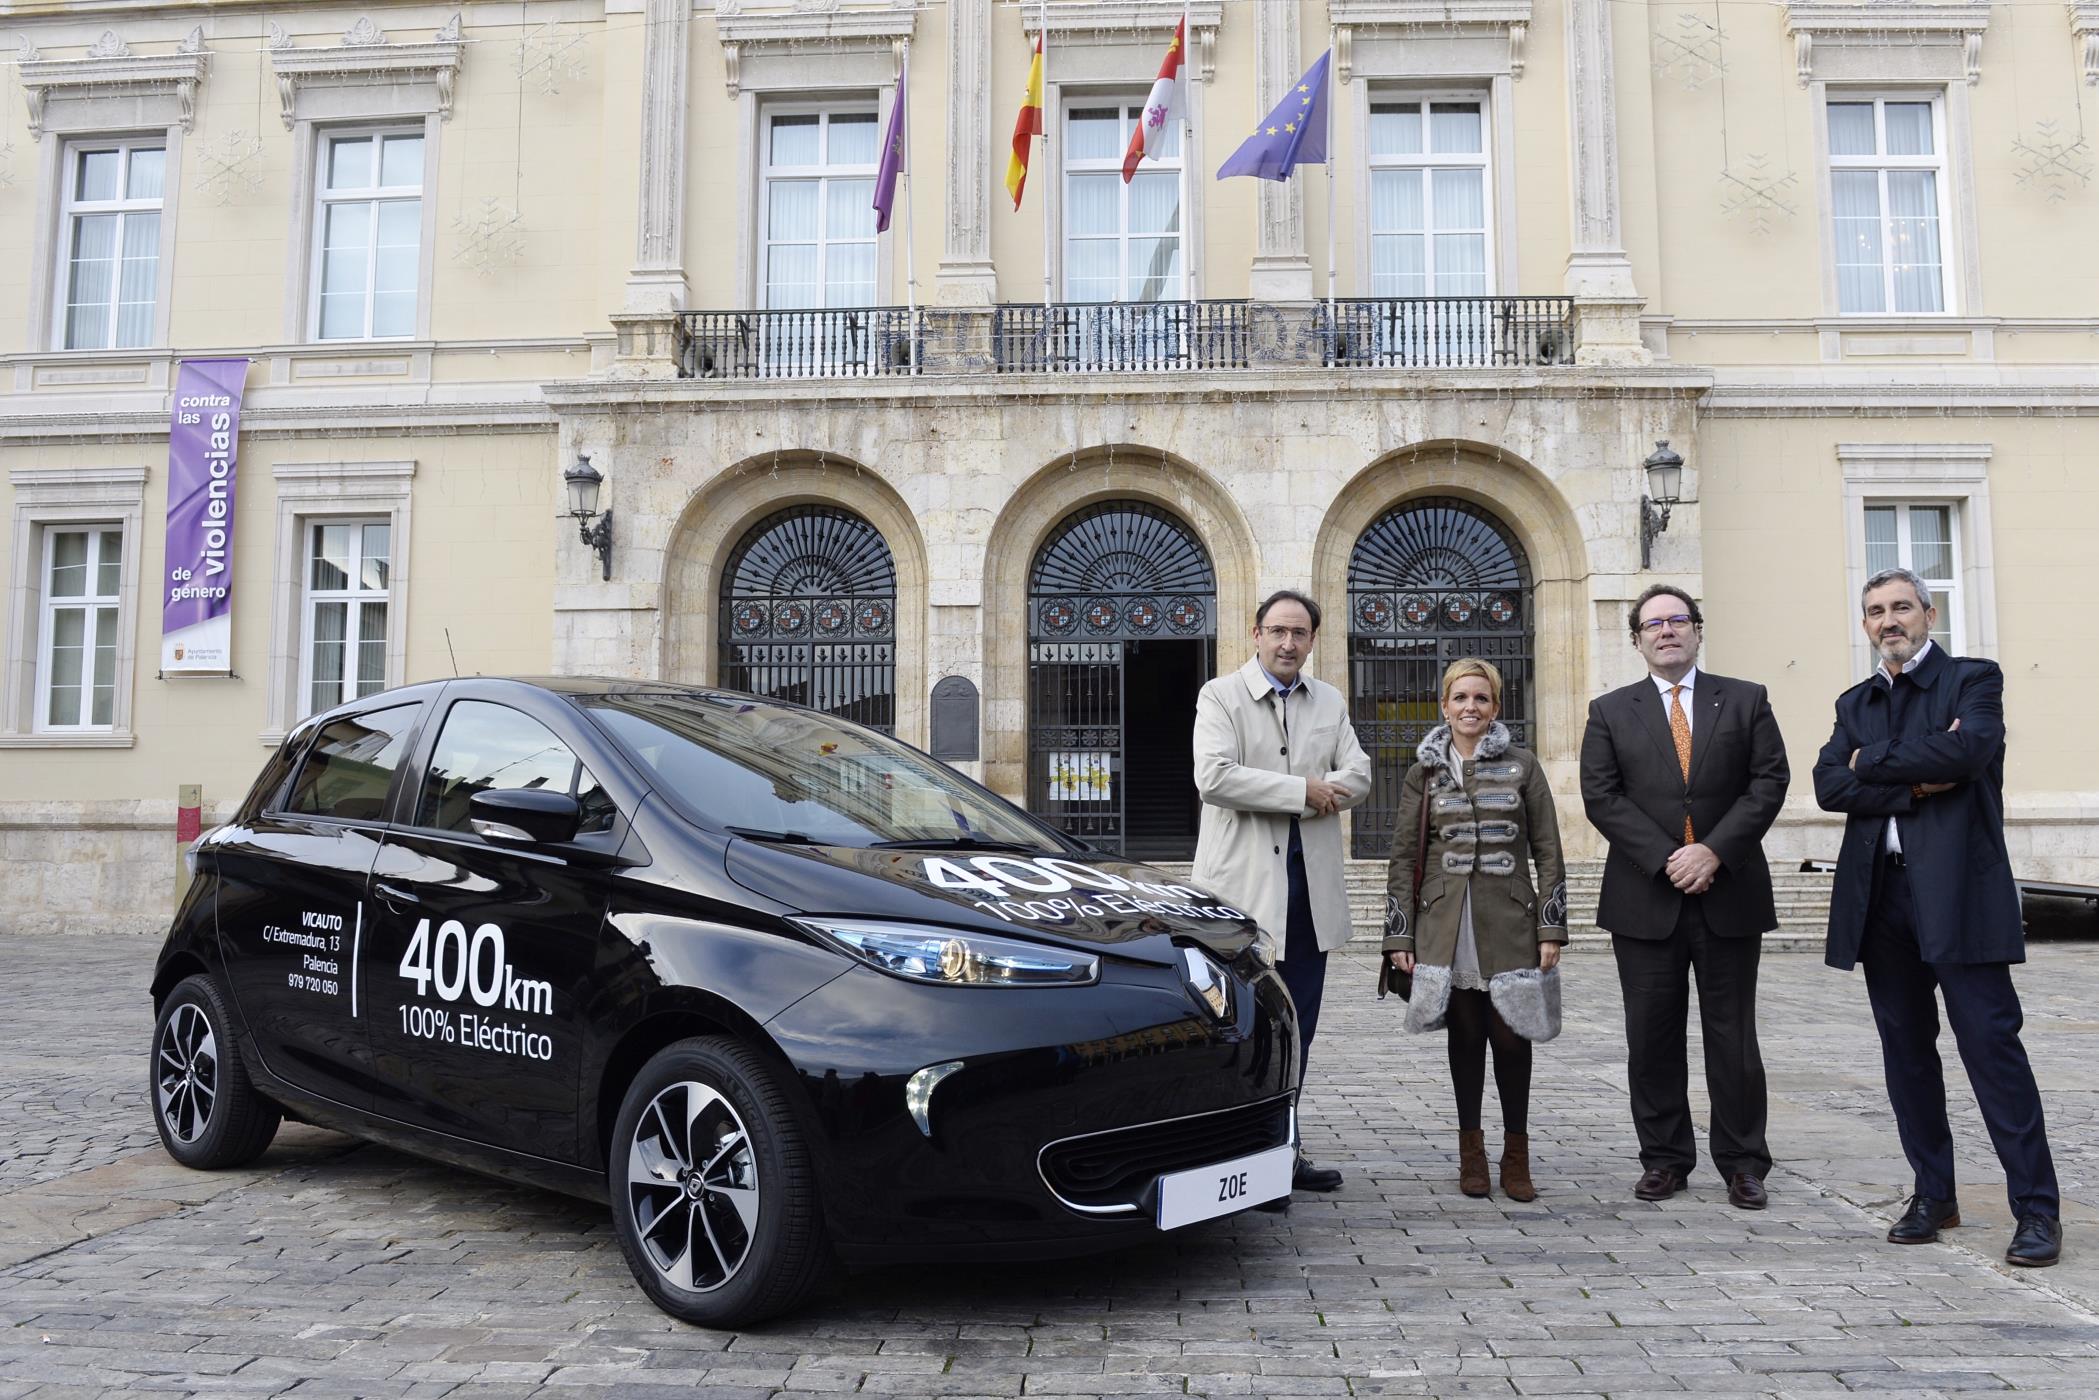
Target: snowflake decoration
x=490, y=238
x=2050, y=164
x=1758, y=195
x=1693, y=55
x=7, y=166
x=228, y=166
x=547, y=57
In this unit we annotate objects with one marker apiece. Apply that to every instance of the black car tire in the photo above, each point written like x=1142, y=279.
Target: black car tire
x=713, y=1188
x=206, y=1108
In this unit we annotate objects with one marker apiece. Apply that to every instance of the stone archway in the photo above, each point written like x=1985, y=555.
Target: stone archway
x=1034, y=513
x=723, y=512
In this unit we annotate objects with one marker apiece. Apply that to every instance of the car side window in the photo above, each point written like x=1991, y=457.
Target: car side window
x=486, y=747
x=351, y=764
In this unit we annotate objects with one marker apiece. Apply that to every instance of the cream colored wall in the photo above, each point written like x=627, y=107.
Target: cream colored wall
x=1778, y=598
x=480, y=563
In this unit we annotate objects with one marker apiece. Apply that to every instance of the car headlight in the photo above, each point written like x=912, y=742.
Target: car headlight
x=950, y=958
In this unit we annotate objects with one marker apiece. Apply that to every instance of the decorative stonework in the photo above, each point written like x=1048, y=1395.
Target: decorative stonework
x=657, y=283
x=1885, y=24
x=1132, y=19
x=1414, y=20
x=2084, y=29
x=110, y=65
x=748, y=25
x=366, y=56
x=967, y=276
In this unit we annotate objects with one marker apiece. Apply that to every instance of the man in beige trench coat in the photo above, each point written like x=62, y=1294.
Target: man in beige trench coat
x=1276, y=762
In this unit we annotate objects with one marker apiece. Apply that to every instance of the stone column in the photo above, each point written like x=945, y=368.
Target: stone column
x=1599, y=273
x=1282, y=268
x=657, y=283
x=966, y=276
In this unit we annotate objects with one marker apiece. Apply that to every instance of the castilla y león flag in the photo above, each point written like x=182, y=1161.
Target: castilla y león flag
x=1161, y=108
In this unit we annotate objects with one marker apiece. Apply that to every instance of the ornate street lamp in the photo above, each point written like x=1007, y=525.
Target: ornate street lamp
x=1665, y=475
x=584, y=483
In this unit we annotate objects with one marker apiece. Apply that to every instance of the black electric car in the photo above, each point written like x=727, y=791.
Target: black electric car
x=778, y=988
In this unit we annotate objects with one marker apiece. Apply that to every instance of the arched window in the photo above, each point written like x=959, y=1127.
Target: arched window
x=808, y=614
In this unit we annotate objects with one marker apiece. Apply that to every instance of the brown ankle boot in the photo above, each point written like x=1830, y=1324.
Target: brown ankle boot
x=1472, y=1162
x=1516, y=1167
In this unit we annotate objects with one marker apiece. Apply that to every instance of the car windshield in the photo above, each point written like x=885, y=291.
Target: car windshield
x=781, y=773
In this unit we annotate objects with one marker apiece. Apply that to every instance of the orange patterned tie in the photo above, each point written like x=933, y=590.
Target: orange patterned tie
x=1680, y=731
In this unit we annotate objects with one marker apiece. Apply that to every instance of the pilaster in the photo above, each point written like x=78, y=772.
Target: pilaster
x=1598, y=270
x=1282, y=270
x=657, y=282
x=966, y=276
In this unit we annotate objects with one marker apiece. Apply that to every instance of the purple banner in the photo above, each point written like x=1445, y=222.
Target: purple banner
x=196, y=615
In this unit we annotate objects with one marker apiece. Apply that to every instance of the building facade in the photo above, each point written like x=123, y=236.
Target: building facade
x=1010, y=482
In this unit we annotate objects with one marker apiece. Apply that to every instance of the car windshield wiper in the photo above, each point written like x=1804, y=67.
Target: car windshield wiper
x=785, y=838
x=952, y=843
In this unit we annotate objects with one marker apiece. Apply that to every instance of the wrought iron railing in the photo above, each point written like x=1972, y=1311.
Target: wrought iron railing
x=815, y=343
x=1450, y=332
x=1034, y=338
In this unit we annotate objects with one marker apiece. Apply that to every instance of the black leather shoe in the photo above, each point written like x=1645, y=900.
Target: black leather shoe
x=1659, y=1184
x=2037, y=1244
x=1921, y=1223
x=1746, y=1192
x=1306, y=1177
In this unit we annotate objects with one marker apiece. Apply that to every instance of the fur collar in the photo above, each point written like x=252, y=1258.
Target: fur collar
x=1434, y=749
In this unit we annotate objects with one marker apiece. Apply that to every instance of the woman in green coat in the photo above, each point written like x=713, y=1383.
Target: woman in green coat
x=1481, y=943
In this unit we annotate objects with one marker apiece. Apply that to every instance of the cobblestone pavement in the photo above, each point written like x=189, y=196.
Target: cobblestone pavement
x=337, y=1269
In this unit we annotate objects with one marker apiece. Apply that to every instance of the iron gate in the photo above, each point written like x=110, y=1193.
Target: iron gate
x=808, y=614
x=1430, y=581
x=1114, y=574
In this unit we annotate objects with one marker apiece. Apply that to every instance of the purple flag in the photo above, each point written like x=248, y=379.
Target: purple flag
x=893, y=141
x=196, y=612
x=1294, y=133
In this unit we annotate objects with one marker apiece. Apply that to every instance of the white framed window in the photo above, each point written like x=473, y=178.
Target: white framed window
x=1920, y=536
x=1122, y=243
x=816, y=235
x=68, y=635
x=367, y=233
x=1431, y=197
x=348, y=568
x=1889, y=213
x=109, y=266
x=82, y=597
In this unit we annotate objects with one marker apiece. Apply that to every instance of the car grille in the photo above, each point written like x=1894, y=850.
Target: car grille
x=1115, y=1168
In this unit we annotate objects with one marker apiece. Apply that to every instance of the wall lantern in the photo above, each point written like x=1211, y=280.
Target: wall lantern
x=584, y=483
x=1665, y=476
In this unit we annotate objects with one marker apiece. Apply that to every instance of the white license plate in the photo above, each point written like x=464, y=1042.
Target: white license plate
x=1203, y=1193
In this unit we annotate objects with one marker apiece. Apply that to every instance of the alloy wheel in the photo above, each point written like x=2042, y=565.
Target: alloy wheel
x=692, y=1183
x=187, y=1072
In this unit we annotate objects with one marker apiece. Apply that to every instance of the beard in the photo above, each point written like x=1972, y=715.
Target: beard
x=1899, y=648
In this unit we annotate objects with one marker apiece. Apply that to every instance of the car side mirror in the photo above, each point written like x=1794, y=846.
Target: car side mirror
x=524, y=816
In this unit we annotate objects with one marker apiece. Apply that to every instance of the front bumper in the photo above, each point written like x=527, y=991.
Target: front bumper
x=1069, y=1104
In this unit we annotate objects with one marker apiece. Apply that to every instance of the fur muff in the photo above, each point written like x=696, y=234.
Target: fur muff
x=1527, y=1001
x=1429, y=1007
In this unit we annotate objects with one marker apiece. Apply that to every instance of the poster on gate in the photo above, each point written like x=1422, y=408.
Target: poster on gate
x=196, y=612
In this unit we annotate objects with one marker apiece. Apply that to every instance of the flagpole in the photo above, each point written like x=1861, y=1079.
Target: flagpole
x=1328, y=85
x=1187, y=165
x=903, y=94
x=1048, y=224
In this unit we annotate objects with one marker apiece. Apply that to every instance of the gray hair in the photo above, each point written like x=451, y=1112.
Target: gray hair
x=1896, y=575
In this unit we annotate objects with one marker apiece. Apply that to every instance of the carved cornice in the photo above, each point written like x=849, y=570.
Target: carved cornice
x=2084, y=28
x=759, y=24
x=366, y=55
x=1421, y=18
x=1131, y=19
x=1885, y=24
x=110, y=63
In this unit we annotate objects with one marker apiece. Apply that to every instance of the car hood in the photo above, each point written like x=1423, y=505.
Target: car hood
x=1100, y=903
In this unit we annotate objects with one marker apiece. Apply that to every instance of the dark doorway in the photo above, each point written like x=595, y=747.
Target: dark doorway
x=1161, y=812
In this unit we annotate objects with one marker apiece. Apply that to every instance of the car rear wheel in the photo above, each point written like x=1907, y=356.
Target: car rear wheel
x=207, y=1111
x=713, y=1190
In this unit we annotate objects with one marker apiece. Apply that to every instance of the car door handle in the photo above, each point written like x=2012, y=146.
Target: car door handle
x=392, y=897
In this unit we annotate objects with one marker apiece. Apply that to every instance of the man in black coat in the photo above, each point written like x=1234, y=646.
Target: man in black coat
x=1925, y=899
x=1683, y=772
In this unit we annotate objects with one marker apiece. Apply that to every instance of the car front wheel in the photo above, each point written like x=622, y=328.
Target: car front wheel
x=208, y=1113
x=713, y=1191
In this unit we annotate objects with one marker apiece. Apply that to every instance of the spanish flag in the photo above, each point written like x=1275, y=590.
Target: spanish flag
x=1026, y=127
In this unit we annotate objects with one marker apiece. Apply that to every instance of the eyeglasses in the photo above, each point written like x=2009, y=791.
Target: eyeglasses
x=1286, y=634
x=1675, y=622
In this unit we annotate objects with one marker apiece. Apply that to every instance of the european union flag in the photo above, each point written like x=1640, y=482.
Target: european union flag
x=1294, y=133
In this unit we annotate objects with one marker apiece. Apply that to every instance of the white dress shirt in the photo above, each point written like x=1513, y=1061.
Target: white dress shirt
x=1894, y=842
x=1689, y=683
